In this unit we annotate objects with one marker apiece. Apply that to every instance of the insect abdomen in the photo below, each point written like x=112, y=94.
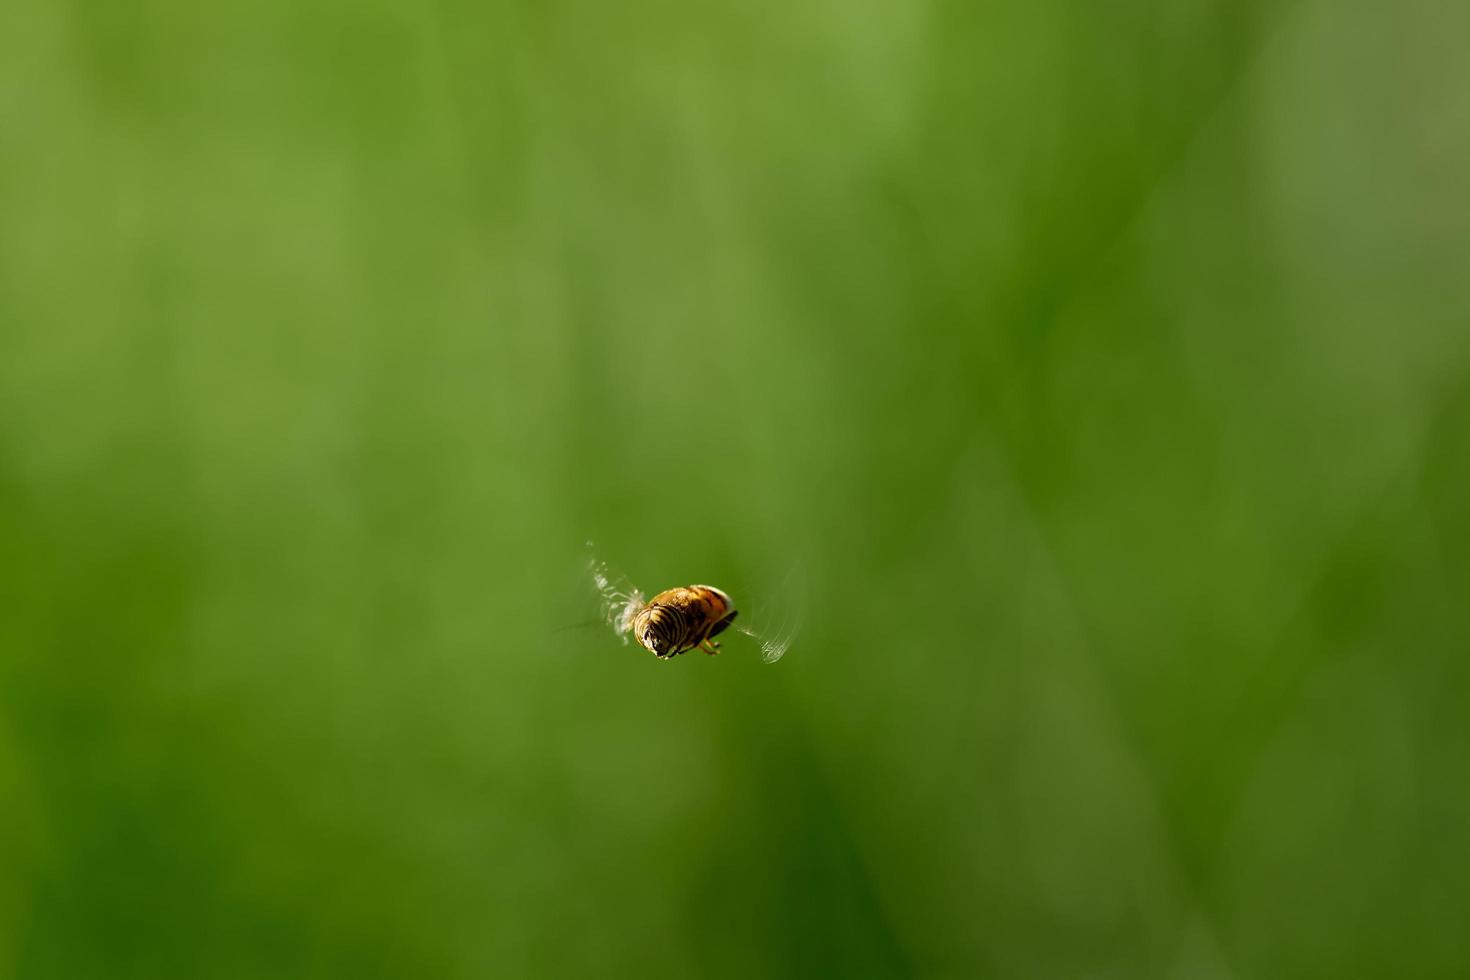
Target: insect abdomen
x=681, y=619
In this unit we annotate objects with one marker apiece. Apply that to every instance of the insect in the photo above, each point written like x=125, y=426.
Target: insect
x=677, y=620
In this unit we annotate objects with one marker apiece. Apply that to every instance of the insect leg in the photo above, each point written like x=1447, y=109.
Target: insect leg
x=723, y=624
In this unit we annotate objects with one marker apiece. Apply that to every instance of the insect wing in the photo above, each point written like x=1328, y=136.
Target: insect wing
x=618, y=600
x=775, y=618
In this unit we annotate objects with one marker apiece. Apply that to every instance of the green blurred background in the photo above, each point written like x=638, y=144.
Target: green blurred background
x=1106, y=366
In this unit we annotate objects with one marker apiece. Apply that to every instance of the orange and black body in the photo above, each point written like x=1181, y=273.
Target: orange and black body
x=682, y=619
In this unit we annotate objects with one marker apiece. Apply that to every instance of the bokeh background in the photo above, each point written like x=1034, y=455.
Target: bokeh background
x=1105, y=367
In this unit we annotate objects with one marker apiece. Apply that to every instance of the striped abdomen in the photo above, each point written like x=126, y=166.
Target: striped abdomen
x=681, y=619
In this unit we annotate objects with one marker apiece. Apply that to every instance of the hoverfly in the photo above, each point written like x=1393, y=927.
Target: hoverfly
x=677, y=620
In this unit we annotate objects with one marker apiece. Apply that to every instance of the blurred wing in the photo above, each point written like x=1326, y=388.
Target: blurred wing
x=618, y=599
x=773, y=645
x=775, y=618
